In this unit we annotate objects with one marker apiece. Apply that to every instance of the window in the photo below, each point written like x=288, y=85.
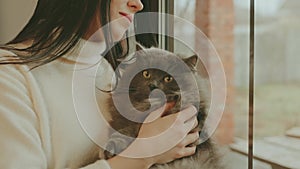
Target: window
x=277, y=71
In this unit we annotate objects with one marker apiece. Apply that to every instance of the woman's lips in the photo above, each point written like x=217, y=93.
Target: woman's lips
x=129, y=17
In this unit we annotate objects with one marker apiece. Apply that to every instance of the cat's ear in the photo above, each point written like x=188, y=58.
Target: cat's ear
x=191, y=61
x=139, y=47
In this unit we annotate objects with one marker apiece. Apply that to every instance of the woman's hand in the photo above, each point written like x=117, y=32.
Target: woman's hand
x=180, y=150
x=181, y=123
x=164, y=139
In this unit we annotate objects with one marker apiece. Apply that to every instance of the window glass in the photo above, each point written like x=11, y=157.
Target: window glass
x=277, y=76
x=277, y=71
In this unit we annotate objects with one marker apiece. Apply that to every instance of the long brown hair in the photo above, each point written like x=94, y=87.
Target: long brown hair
x=57, y=26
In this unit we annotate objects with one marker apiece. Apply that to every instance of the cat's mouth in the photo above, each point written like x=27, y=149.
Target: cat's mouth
x=172, y=100
x=169, y=109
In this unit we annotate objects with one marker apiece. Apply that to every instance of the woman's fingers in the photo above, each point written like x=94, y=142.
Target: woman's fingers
x=168, y=132
x=196, y=123
x=189, y=139
x=187, y=113
x=190, y=151
x=190, y=124
x=187, y=151
x=183, y=120
x=159, y=112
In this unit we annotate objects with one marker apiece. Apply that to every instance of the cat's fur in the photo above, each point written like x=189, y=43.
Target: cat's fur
x=206, y=156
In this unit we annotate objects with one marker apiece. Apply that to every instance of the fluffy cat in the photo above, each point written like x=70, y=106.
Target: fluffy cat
x=183, y=88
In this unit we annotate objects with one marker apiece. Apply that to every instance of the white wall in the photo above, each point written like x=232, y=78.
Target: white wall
x=14, y=14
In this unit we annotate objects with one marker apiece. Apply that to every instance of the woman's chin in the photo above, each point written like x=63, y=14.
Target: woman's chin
x=119, y=29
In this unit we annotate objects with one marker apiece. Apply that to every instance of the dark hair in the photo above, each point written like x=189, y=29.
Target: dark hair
x=55, y=28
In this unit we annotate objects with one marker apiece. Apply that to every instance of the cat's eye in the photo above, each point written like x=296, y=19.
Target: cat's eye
x=146, y=74
x=168, y=79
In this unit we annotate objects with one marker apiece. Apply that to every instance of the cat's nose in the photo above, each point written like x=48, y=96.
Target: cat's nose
x=172, y=97
x=152, y=87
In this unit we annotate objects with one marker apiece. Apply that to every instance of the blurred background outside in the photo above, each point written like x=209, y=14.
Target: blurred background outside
x=277, y=64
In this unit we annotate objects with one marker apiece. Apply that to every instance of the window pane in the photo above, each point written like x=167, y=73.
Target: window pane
x=277, y=76
x=277, y=72
x=277, y=81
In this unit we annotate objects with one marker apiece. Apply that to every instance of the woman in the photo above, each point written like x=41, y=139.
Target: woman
x=38, y=124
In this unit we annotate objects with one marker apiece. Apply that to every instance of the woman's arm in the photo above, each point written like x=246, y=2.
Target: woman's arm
x=163, y=140
x=20, y=141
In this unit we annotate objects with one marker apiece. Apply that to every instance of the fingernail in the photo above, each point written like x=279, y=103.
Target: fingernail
x=192, y=108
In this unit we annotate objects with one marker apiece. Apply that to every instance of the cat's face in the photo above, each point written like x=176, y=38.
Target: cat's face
x=153, y=77
x=158, y=70
x=149, y=80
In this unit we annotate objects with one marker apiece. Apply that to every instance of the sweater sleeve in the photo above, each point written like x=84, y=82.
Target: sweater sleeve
x=20, y=142
x=22, y=139
x=100, y=164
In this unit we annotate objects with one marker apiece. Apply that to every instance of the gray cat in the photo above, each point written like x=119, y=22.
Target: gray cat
x=144, y=86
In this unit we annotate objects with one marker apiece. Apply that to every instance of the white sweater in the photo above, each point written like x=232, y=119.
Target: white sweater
x=38, y=123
